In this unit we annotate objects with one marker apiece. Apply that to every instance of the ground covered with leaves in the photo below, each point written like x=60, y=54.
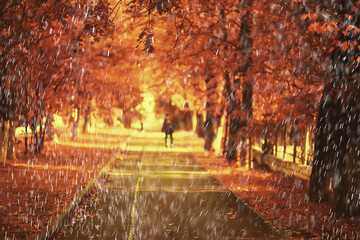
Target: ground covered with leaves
x=36, y=187
x=283, y=200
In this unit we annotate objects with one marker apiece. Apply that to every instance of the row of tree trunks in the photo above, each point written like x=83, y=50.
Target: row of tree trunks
x=37, y=137
x=276, y=134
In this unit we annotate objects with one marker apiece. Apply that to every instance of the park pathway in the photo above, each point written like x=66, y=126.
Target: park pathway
x=155, y=192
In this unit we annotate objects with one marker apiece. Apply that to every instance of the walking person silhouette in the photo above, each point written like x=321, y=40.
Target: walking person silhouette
x=168, y=128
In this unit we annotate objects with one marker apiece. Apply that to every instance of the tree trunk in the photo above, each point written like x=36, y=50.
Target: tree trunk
x=338, y=138
x=209, y=131
x=265, y=147
x=49, y=126
x=295, y=137
x=350, y=204
x=241, y=117
x=337, y=130
x=219, y=134
x=284, y=138
x=87, y=123
x=303, y=144
x=351, y=200
x=228, y=101
x=26, y=119
x=234, y=113
x=250, y=151
x=232, y=153
x=225, y=140
x=200, y=125
x=26, y=142
x=40, y=141
x=294, y=152
x=319, y=178
x=246, y=118
x=126, y=119
x=188, y=120
x=11, y=154
x=194, y=122
x=74, y=121
x=211, y=97
x=73, y=128
x=276, y=142
x=307, y=145
x=35, y=134
x=4, y=138
x=243, y=151
x=44, y=131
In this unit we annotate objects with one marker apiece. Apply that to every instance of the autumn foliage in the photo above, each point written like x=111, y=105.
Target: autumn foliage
x=249, y=61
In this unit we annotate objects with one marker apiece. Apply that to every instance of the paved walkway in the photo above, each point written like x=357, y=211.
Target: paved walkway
x=161, y=193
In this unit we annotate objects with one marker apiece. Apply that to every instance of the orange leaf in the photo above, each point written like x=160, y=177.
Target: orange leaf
x=344, y=46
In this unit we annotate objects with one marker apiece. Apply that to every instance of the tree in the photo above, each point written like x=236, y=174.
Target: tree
x=34, y=47
x=335, y=159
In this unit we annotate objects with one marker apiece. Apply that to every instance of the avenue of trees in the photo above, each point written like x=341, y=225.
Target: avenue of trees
x=56, y=57
x=283, y=61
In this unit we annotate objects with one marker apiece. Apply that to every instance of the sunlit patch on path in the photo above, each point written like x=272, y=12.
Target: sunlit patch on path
x=47, y=166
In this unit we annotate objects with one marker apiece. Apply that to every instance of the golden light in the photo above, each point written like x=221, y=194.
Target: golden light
x=49, y=167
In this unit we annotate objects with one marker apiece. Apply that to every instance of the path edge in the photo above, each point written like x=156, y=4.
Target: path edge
x=60, y=221
x=246, y=203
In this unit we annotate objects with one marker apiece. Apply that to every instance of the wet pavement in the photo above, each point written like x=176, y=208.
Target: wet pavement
x=155, y=192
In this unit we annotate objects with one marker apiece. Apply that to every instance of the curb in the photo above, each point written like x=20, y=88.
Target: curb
x=60, y=221
x=276, y=164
